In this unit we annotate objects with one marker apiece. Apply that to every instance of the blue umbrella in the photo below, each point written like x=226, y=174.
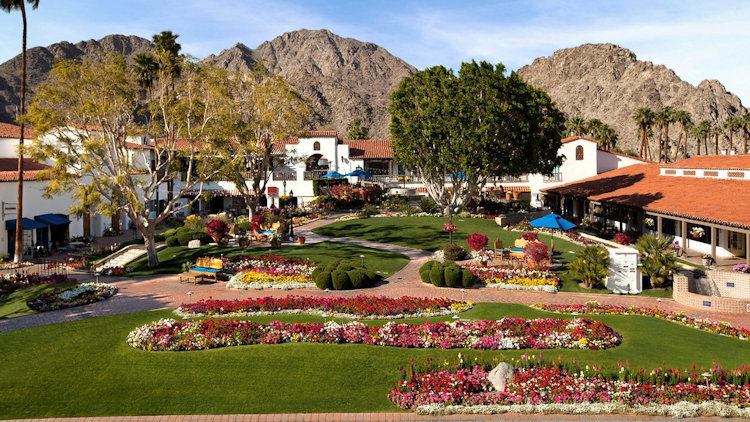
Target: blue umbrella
x=552, y=221
x=360, y=173
x=332, y=175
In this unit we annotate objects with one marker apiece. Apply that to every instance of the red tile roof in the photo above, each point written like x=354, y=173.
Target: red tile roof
x=722, y=162
x=370, y=148
x=12, y=131
x=319, y=133
x=575, y=138
x=9, y=169
x=280, y=145
x=641, y=186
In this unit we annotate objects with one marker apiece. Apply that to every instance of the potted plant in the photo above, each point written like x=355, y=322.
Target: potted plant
x=301, y=240
x=658, y=264
x=275, y=241
x=216, y=229
x=243, y=241
x=707, y=260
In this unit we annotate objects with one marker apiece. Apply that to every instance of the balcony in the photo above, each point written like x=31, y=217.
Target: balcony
x=516, y=179
x=285, y=175
x=555, y=177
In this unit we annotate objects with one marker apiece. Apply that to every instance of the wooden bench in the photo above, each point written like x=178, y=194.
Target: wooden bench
x=191, y=278
x=207, y=267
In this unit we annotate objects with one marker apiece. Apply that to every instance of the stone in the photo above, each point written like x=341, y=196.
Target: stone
x=501, y=376
x=194, y=244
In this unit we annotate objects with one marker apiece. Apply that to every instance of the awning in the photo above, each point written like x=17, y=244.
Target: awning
x=52, y=219
x=26, y=224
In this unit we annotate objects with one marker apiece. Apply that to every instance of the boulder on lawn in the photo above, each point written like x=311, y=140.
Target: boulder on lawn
x=194, y=244
x=501, y=376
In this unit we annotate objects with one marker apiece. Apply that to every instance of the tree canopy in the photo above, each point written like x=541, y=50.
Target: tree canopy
x=465, y=129
x=355, y=130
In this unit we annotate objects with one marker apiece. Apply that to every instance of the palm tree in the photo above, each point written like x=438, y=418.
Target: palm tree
x=608, y=137
x=716, y=131
x=576, y=126
x=590, y=266
x=744, y=126
x=146, y=69
x=732, y=124
x=645, y=119
x=701, y=132
x=663, y=118
x=685, y=120
x=9, y=6
x=656, y=257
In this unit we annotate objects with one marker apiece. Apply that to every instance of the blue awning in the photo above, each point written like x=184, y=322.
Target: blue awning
x=26, y=224
x=52, y=219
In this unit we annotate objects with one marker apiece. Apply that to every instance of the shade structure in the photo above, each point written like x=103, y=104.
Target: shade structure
x=26, y=224
x=552, y=221
x=332, y=175
x=360, y=173
x=52, y=219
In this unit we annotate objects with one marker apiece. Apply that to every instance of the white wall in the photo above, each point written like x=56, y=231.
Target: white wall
x=607, y=161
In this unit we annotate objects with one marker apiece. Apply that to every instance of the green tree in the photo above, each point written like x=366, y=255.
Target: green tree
x=656, y=257
x=577, y=126
x=605, y=135
x=355, y=130
x=9, y=6
x=663, y=118
x=745, y=127
x=685, y=120
x=591, y=266
x=644, y=117
x=468, y=128
x=268, y=110
x=146, y=69
x=716, y=131
x=732, y=124
x=84, y=117
x=701, y=132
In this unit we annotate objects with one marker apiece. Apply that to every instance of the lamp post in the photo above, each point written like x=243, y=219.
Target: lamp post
x=362, y=260
x=291, y=216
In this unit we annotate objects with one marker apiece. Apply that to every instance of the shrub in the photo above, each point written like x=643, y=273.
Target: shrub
x=452, y=275
x=357, y=278
x=193, y=222
x=477, y=241
x=344, y=275
x=437, y=276
x=622, y=239
x=536, y=251
x=530, y=237
x=322, y=278
x=173, y=241
x=427, y=205
x=454, y=252
x=341, y=280
x=468, y=279
x=159, y=237
x=203, y=237
x=370, y=209
x=216, y=228
x=424, y=271
x=446, y=274
x=590, y=266
x=184, y=238
x=169, y=233
x=658, y=261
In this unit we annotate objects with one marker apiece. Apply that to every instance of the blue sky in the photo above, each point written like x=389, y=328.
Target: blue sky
x=698, y=39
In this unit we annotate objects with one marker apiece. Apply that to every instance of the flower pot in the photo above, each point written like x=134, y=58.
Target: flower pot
x=707, y=262
x=216, y=236
x=515, y=195
x=301, y=240
x=275, y=243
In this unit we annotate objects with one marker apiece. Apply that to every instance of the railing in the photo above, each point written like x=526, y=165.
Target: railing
x=42, y=267
x=285, y=175
x=393, y=178
x=314, y=174
x=556, y=177
x=516, y=179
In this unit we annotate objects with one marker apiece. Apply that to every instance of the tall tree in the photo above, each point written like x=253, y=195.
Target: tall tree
x=268, y=110
x=745, y=127
x=644, y=117
x=355, y=130
x=716, y=131
x=701, y=132
x=732, y=124
x=9, y=6
x=663, y=118
x=577, y=126
x=84, y=117
x=685, y=120
x=146, y=69
x=468, y=128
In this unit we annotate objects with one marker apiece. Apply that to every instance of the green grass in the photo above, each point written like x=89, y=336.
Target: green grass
x=85, y=368
x=172, y=258
x=14, y=304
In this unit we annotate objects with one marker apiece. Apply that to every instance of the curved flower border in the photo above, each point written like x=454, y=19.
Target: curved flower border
x=358, y=307
x=516, y=278
x=79, y=295
x=507, y=333
x=679, y=317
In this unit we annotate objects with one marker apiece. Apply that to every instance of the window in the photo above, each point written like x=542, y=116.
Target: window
x=556, y=175
x=579, y=153
x=316, y=146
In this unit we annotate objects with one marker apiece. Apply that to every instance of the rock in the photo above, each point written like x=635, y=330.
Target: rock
x=501, y=376
x=194, y=244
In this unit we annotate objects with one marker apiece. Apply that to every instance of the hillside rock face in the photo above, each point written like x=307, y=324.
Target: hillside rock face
x=342, y=78
x=39, y=62
x=607, y=82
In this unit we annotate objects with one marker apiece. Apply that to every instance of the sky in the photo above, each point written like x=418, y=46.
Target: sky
x=697, y=39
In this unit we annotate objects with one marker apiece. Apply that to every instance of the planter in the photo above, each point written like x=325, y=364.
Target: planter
x=707, y=262
x=216, y=236
x=508, y=195
x=515, y=195
x=275, y=243
x=301, y=240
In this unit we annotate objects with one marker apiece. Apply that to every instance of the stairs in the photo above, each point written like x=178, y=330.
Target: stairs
x=124, y=257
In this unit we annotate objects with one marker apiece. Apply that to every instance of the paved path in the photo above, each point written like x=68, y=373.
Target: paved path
x=165, y=291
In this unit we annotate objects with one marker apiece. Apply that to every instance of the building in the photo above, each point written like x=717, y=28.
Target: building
x=701, y=202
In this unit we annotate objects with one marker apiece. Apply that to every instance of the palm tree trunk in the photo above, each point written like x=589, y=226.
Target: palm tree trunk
x=698, y=141
x=18, y=255
x=716, y=142
x=731, y=144
x=744, y=141
x=705, y=145
x=666, y=143
x=658, y=146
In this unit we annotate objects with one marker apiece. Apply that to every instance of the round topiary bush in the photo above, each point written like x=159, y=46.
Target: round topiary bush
x=424, y=271
x=454, y=252
x=437, y=277
x=468, y=279
x=452, y=275
x=184, y=238
x=341, y=280
x=203, y=237
x=322, y=278
x=173, y=241
x=357, y=278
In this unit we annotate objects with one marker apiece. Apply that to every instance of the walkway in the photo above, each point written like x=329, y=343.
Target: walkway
x=165, y=291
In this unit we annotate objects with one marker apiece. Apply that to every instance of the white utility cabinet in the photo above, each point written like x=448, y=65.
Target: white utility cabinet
x=624, y=271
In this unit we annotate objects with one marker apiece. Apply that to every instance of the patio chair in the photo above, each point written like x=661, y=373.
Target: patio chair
x=499, y=246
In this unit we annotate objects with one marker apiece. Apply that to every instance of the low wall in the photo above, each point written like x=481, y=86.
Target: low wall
x=718, y=291
x=511, y=219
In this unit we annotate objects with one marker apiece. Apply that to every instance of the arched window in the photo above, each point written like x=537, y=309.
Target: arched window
x=579, y=153
x=316, y=146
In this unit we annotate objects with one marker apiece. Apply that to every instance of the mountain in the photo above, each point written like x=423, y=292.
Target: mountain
x=343, y=78
x=39, y=62
x=607, y=82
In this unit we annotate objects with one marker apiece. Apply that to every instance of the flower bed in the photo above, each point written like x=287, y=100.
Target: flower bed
x=81, y=294
x=12, y=282
x=722, y=328
x=10, y=265
x=517, y=278
x=368, y=307
x=507, y=333
x=269, y=271
x=558, y=388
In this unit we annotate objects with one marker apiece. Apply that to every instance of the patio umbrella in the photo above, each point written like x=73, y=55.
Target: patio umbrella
x=554, y=222
x=332, y=175
x=360, y=173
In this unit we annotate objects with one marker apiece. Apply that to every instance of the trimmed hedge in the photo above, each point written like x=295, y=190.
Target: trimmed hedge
x=447, y=274
x=172, y=241
x=344, y=275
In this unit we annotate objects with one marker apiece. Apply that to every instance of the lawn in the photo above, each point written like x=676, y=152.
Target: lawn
x=172, y=258
x=14, y=304
x=85, y=368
